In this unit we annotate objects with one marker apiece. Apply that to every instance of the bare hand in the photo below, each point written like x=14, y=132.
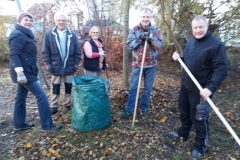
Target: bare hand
x=175, y=56
x=205, y=93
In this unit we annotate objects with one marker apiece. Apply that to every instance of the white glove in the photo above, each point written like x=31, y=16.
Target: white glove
x=102, y=53
x=175, y=56
x=21, y=78
x=205, y=93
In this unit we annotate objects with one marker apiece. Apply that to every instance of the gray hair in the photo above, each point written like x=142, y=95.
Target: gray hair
x=200, y=17
x=146, y=9
x=58, y=14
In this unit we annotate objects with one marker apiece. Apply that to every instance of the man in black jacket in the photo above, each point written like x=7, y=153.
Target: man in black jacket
x=205, y=56
x=61, y=53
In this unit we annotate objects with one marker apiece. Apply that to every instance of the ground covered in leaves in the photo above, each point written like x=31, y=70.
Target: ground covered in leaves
x=147, y=141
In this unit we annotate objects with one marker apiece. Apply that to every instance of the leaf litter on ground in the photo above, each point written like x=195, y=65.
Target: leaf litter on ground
x=148, y=140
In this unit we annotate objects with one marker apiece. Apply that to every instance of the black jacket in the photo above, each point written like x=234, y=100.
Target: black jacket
x=92, y=64
x=206, y=59
x=23, y=53
x=51, y=53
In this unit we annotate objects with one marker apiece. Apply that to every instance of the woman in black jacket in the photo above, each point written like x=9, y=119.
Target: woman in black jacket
x=24, y=72
x=94, y=56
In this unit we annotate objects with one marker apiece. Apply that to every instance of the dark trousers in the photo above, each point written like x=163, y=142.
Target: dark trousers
x=188, y=100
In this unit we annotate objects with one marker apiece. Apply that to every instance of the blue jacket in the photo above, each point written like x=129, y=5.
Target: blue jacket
x=206, y=59
x=23, y=53
x=51, y=53
x=137, y=46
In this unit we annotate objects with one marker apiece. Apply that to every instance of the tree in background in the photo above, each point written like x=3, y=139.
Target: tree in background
x=108, y=16
x=125, y=51
x=6, y=25
x=174, y=18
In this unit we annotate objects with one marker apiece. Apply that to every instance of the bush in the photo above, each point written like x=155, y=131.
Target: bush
x=115, y=54
x=233, y=62
x=4, y=50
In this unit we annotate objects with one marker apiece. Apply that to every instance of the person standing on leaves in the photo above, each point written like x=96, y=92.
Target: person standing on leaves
x=94, y=58
x=145, y=31
x=61, y=54
x=205, y=56
x=24, y=72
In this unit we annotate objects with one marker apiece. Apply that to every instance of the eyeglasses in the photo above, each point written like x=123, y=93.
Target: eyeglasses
x=95, y=32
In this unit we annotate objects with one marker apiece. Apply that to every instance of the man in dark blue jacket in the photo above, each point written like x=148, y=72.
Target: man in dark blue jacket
x=61, y=53
x=205, y=56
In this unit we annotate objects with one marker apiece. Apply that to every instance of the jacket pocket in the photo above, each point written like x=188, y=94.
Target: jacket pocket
x=34, y=69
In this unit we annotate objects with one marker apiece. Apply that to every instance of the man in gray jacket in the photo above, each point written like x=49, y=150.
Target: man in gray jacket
x=61, y=54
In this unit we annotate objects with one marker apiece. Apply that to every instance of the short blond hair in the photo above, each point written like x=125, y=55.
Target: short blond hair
x=91, y=30
x=200, y=17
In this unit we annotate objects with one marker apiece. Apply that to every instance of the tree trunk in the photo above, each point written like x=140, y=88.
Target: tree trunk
x=125, y=51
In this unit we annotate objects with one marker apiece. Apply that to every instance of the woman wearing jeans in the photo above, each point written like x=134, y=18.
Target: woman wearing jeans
x=24, y=72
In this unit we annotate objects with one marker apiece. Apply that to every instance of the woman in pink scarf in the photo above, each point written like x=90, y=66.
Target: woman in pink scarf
x=94, y=56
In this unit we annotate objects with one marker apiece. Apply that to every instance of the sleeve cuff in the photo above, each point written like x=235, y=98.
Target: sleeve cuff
x=18, y=69
x=95, y=55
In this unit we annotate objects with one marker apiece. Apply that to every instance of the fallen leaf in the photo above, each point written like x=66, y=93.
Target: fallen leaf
x=8, y=114
x=108, y=151
x=163, y=119
x=29, y=145
x=188, y=153
x=90, y=152
x=52, y=151
x=3, y=135
x=57, y=154
x=54, y=145
x=48, y=154
x=129, y=156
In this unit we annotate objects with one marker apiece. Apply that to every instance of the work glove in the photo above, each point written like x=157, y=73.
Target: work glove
x=144, y=37
x=106, y=65
x=21, y=78
x=102, y=53
x=49, y=68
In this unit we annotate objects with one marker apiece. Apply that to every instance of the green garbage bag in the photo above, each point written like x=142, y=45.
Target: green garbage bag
x=90, y=103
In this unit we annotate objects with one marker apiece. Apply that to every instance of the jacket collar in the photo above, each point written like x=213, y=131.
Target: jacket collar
x=25, y=30
x=139, y=27
x=204, y=37
x=54, y=31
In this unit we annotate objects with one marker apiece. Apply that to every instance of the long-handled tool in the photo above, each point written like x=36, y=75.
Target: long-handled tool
x=210, y=102
x=139, y=82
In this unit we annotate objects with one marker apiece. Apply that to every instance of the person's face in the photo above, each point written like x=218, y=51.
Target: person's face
x=145, y=18
x=199, y=28
x=61, y=23
x=95, y=34
x=26, y=22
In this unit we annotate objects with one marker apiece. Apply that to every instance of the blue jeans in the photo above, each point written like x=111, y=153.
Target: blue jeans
x=148, y=75
x=20, y=105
